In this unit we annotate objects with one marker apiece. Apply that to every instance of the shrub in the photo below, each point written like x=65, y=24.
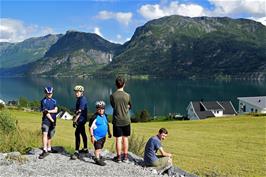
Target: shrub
x=136, y=144
x=13, y=138
x=2, y=106
x=7, y=122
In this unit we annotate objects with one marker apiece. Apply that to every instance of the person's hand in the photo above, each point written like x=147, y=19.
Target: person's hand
x=45, y=111
x=170, y=155
x=109, y=135
x=75, y=124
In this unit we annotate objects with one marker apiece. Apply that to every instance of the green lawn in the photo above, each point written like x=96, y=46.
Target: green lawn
x=214, y=147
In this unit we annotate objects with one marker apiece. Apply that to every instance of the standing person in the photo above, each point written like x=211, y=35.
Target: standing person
x=121, y=103
x=80, y=120
x=99, y=128
x=164, y=161
x=49, y=110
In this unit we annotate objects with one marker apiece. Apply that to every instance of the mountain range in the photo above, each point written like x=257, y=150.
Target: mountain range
x=169, y=47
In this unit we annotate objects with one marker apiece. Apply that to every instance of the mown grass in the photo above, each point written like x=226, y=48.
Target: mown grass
x=214, y=147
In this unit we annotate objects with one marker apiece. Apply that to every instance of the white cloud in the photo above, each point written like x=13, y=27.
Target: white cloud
x=98, y=31
x=122, y=17
x=255, y=8
x=231, y=8
x=262, y=20
x=12, y=30
x=149, y=11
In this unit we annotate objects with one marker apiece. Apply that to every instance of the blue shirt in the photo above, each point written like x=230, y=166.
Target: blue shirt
x=152, y=146
x=48, y=104
x=99, y=124
x=82, y=105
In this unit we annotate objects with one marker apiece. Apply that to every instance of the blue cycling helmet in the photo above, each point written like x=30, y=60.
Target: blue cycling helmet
x=48, y=89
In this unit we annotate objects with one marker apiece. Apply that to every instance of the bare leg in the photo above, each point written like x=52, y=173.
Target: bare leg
x=125, y=144
x=45, y=140
x=118, y=145
x=97, y=153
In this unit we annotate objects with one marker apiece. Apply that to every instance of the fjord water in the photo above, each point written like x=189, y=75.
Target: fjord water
x=158, y=96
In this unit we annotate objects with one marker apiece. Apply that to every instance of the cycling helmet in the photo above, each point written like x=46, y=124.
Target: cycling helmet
x=79, y=88
x=100, y=104
x=48, y=89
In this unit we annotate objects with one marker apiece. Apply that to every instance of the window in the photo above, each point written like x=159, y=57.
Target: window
x=251, y=110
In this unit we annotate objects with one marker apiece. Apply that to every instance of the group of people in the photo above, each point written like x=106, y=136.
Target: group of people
x=99, y=127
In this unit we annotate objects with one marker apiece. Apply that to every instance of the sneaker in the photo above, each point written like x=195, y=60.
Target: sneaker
x=99, y=162
x=102, y=158
x=117, y=159
x=74, y=156
x=85, y=151
x=43, y=155
x=126, y=160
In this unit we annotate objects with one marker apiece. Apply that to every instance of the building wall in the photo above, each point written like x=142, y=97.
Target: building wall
x=191, y=114
x=244, y=107
x=217, y=113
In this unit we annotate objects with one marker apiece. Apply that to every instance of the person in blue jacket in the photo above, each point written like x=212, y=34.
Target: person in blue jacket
x=80, y=120
x=49, y=110
x=99, y=128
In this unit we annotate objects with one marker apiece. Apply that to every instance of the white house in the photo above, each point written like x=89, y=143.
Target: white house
x=204, y=109
x=252, y=104
x=2, y=102
x=64, y=115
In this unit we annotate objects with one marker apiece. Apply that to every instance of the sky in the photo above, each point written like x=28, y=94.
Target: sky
x=114, y=20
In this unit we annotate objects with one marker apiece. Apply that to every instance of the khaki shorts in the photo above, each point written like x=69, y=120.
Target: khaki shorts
x=161, y=163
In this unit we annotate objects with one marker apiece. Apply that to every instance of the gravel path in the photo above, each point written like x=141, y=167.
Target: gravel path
x=59, y=164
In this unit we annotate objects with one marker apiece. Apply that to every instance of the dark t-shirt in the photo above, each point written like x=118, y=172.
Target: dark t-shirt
x=48, y=104
x=82, y=105
x=120, y=101
x=151, y=148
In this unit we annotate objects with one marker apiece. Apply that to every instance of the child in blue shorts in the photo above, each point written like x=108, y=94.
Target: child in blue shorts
x=99, y=128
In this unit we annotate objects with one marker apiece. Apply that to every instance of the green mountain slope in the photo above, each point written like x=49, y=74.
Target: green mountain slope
x=76, y=53
x=177, y=46
x=30, y=50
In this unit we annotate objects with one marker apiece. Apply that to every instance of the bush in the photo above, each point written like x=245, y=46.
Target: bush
x=23, y=102
x=7, y=122
x=2, y=106
x=136, y=144
x=13, y=138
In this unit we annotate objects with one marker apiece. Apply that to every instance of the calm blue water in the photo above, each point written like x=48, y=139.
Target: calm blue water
x=159, y=97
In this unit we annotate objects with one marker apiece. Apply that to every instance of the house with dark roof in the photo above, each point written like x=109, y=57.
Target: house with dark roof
x=252, y=104
x=204, y=109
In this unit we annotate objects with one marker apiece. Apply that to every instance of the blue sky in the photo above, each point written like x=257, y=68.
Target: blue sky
x=115, y=20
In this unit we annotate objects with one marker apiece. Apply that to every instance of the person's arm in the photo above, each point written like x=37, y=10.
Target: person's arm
x=53, y=110
x=112, y=101
x=77, y=115
x=92, y=127
x=129, y=103
x=165, y=154
x=92, y=135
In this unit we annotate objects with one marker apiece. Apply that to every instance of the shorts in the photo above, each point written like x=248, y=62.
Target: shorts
x=119, y=131
x=161, y=163
x=48, y=129
x=99, y=144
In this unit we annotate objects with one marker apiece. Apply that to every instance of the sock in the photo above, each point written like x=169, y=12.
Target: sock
x=49, y=148
x=125, y=156
x=45, y=149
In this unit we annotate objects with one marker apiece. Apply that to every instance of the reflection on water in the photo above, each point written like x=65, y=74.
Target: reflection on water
x=159, y=97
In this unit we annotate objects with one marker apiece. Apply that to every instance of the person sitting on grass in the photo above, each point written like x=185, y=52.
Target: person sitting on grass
x=99, y=128
x=161, y=162
x=49, y=110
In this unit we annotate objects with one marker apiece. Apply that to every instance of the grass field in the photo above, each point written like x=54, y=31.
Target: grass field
x=214, y=147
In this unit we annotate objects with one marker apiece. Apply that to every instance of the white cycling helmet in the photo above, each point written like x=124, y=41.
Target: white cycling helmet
x=79, y=88
x=100, y=104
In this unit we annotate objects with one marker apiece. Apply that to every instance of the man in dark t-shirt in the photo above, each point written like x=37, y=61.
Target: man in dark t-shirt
x=151, y=148
x=121, y=103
